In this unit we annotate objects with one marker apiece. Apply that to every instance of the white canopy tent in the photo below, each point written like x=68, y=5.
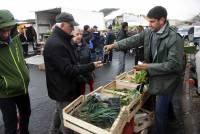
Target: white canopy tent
x=127, y=16
x=45, y=19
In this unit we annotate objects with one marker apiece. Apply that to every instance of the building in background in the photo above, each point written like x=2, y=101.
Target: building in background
x=119, y=16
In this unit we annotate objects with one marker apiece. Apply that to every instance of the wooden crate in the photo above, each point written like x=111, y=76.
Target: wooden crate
x=134, y=105
x=135, y=108
x=127, y=77
x=83, y=127
x=120, y=85
x=143, y=120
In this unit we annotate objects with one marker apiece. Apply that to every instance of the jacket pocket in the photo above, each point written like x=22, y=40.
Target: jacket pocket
x=163, y=84
x=3, y=85
x=12, y=85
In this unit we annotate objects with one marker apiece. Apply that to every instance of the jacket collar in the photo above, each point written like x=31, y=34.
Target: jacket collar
x=62, y=34
x=165, y=31
x=163, y=35
x=4, y=43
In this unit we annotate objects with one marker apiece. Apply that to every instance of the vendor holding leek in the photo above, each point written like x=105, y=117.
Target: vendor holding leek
x=163, y=54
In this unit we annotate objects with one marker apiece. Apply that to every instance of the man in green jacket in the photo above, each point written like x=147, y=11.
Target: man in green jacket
x=163, y=54
x=14, y=77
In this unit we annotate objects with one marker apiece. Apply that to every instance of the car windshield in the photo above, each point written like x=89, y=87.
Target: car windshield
x=183, y=32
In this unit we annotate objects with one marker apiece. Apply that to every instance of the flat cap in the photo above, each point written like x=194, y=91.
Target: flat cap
x=66, y=17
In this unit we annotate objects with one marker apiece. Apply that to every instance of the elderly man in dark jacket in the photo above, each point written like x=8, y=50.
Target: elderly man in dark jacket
x=62, y=68
x=163, y=54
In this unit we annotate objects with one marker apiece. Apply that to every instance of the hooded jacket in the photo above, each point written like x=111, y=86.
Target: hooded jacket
x=14, y=74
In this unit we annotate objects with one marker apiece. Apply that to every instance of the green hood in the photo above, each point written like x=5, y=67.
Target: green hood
x=6, y=19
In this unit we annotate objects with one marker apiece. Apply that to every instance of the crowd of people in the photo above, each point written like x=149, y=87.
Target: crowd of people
x=28, y=36
x=71, y=55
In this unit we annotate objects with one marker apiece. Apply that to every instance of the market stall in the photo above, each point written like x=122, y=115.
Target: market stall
x=114, y=108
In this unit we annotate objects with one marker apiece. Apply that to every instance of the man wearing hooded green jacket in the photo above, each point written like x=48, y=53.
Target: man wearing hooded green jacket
x=14, y=77
x=163, y=54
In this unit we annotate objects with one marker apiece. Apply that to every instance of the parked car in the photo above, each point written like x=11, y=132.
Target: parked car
x=183, y=31
x=194, y=35
x=190, y=33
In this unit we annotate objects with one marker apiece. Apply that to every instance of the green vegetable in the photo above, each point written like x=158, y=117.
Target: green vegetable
x=140, y=77
x=131, y=95
x=97, y=113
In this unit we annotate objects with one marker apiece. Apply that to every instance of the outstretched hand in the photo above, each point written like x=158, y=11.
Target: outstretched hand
x=108, y=48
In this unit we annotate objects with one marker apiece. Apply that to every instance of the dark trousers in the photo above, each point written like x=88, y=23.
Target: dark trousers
x=9, y=108
x=163, y=104
x=25, y=49
x=57, y=125
x=108, y=57
x=162, y=109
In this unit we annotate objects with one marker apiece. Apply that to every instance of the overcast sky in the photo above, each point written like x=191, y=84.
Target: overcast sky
x=177, y=9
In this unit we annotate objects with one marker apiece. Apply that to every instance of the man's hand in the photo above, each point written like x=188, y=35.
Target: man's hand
x=141, y=67
x=107, y=48
x=98, y=64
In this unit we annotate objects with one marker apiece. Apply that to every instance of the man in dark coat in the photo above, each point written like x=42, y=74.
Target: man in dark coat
x=110, y=38
x=86, y=33
x=62, y=68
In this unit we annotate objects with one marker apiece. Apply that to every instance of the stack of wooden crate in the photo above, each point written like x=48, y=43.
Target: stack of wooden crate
x=126, y=113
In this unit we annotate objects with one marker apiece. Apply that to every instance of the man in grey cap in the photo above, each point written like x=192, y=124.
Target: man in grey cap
x=66, y=17
x=63, y=73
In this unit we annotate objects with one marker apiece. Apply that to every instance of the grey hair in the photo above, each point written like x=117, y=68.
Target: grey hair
x=58, y=25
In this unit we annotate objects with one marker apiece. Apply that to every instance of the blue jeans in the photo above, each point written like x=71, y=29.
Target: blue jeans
x=122, y=57
x=162, y=109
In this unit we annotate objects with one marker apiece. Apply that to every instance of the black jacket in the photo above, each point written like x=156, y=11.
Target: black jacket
x=86, y=36
x=110, y=38
x=84, y=58
x=62, y=68
x=122, y=35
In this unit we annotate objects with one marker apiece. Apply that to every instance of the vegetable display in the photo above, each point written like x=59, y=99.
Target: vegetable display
x=102, y=110
x=139, y=77
x=98, y=113
x=131, y=94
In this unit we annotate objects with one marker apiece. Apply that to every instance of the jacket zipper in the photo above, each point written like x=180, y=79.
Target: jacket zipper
x=6, y=83
x=17, y=53
x=18, y=69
